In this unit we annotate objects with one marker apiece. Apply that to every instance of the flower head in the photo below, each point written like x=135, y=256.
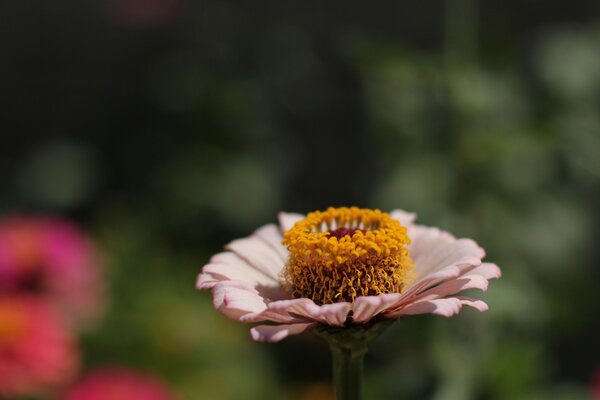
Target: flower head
x=37, y=352
x=117, y=384
x=52, y=258
x=343, y=267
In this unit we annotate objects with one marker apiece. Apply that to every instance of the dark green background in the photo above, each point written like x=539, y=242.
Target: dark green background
x=167, y=128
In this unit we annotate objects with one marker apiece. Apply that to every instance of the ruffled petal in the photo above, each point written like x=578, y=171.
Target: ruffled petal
x=335, y=314
x=330, y=314
x=287, y=220
x=365, y=308
x=276, y=333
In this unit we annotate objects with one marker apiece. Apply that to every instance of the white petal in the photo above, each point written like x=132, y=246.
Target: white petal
x=271, y=235
x=405, y=218
x=287, y=220
x=455, y=286
x=214, y=273
x=275, y=333
x=444, y=307
x=477, y=304
x=432, y=249
x=487, y=270
x=365, y=308
x=335, y=314
x=235, y=299
x=329, y=314
x=258, y=254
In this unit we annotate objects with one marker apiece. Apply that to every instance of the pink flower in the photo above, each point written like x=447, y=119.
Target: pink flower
x=37, y=352
x=51, y=257
x=117, y=384
x=596, y=385
x=343, y=267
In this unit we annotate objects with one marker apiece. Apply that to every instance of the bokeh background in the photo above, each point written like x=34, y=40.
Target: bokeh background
x=166, y=128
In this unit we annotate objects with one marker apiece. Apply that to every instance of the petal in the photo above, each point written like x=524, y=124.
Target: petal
x=335, y=314
x=258, y=254
x=444, y=307
x=214, y=273
x=432, y=249
x=235, y=299
x=270, y=315
x=287, y=220
x=487, y=270
x=275, y=333
x=471, y=302
x=405, y=218
x=271, y=235
x=455, y=286
x=329, y=314
x=366, y=307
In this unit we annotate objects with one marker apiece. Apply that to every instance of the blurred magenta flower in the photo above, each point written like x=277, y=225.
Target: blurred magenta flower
x=37, y=351
x=596, y=385
x=52, y=258
x=118, y=384
x=343, y=267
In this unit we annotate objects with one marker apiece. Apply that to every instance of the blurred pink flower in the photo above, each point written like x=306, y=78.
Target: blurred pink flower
x=254, y=282
x=596, y=385
x=118, y=384
x=52, y=258
x=37, y=352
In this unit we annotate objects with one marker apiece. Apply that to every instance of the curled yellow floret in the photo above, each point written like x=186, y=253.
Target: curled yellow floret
x=341, y=253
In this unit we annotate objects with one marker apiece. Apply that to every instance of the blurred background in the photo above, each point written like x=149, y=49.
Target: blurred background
x=166, y=128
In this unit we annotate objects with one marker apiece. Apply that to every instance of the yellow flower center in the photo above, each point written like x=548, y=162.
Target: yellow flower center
x=341, y=253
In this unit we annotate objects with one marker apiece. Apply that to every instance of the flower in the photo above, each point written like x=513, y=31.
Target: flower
x=596, y=385
x=343, y=267
x=37, y=352
x=51, y=257
x=117, y=384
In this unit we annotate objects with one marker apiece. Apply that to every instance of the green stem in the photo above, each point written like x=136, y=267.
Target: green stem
x=348, y=346
x=348, y=369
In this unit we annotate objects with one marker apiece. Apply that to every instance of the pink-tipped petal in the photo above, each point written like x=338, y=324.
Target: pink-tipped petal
x=471, y=302
x=367, y=307
x=273, y=316
x=235, y=299
x=335, y=314
x=405, y=218
x=303, y=307
x=258, y=254
x=276, y=333
x=487, y=270
x=444, y=307
x=287, y=220
x=329, y=314
x=271, y=235
x=457, y=285
x=432, y=249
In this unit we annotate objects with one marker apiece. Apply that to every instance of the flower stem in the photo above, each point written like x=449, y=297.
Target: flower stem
x=348, y=369
x=348, y=346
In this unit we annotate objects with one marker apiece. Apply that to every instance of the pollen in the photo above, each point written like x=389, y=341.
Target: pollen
x=342, y=253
